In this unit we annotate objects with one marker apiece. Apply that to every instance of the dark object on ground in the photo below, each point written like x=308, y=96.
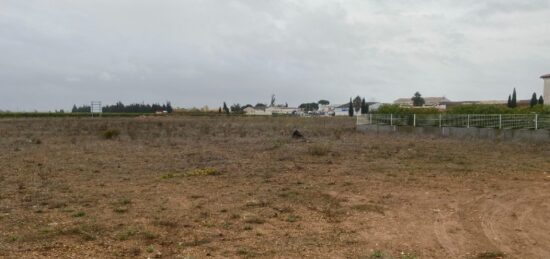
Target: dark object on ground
x=297, y=134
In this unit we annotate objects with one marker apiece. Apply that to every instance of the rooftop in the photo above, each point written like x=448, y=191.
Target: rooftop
x=545, y=76
x=426, y=99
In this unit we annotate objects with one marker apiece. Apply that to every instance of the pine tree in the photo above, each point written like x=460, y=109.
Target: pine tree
x=350, y=108
x=514, y=103
x=169, y=108
x=417, y=99
x=225, y=109
x=76, y=109
x=509, y=105
x=541, y=100
x=534, y=100
x=364, y=107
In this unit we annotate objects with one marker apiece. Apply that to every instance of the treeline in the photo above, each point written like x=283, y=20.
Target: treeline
x=512, y=100
x=59, y=114
x=119, y=107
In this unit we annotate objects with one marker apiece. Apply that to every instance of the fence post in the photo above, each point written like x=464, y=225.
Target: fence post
x=391, y=119
x=370, y=118
x=536, y=121
x=468, y=122
x=500, y=121
x=414, y=120
x=440, y=120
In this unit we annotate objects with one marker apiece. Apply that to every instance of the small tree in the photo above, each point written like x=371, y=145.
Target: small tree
x=350, y=108
x=541, y=100
x=260, y=106
x=309, y=106
x=514, y=102
x=509, y=105
x=225, y=109
x=76, y=109
x=323, y=102
x=169, y=108
x=220, y=110
x=236, y=108
x=417, y=99
x=357, y=103
x=534, y=100
x=364, y=107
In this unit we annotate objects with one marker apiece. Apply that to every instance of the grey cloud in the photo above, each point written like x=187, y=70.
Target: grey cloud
x=56, y=53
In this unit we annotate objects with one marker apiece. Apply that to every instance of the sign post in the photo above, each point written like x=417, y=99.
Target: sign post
x=96, y=107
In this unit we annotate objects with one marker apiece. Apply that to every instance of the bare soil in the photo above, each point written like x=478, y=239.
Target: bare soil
x=198, y=187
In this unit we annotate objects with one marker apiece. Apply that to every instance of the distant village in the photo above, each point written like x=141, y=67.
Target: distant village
x=355, y=107
x=359, y=106
x=326, y=109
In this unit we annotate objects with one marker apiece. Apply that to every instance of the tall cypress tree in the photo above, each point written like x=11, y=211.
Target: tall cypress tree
x=514, y=103
x=534, y=100
x=363, y=104
x=225, y=109
x=350, y=108
x=509, y=105
x=541, y=100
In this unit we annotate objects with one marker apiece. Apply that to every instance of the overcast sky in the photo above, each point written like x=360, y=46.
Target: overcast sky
x=56, y=53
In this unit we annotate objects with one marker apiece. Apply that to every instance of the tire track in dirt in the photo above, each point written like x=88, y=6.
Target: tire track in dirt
x=515, y=222
x=446, y=223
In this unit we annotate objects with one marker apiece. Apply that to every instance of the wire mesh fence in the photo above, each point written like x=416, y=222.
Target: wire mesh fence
x=497, y=121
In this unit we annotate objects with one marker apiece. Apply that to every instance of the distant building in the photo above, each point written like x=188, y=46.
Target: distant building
x=271, y=110
x=343, y=110
x=255, y=111
x=546, y=91
x=281, y=110
x=325, y=108
x=436, y=102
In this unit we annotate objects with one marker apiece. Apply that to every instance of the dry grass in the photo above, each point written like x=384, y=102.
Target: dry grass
x=193, y=187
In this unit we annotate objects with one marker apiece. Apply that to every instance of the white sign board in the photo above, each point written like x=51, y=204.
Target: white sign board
x=96, y=107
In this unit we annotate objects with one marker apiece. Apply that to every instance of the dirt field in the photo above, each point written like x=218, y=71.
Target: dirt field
x=198, y=187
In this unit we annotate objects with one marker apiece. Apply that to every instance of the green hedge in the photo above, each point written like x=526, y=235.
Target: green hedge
x=464, y=109
x=396, y=109
x=496, y=109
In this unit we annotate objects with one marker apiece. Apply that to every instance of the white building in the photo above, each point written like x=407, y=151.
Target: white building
x=343, y=110
x=546, y=92
x=255, y=111
x=436, y=102
x=281, y=110
x=273, y=110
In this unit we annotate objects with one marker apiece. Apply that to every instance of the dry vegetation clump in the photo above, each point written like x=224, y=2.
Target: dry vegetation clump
x=198, y=187
x=318, y=149
x=110, y=133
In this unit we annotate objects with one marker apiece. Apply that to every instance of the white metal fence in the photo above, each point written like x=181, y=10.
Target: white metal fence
x=497, y=121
